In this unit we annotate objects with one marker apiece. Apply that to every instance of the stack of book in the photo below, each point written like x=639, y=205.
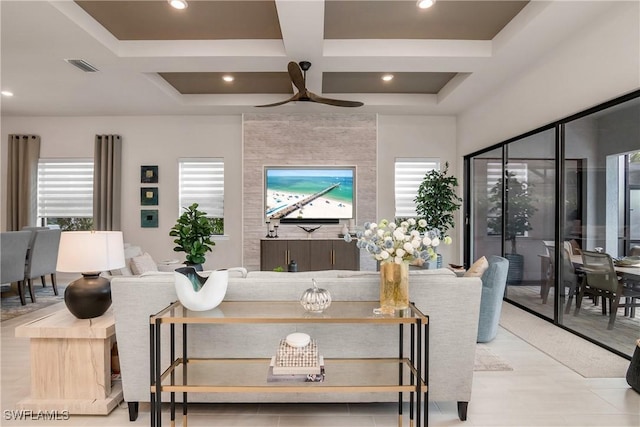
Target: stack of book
x=296, y=363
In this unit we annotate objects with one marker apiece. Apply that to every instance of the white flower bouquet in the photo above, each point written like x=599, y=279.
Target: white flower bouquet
x=389, y=242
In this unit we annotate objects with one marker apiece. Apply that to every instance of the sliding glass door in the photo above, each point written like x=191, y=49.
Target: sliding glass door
x=543, y=198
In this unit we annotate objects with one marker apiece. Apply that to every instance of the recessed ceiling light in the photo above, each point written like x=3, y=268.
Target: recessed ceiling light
x=178, y=4
x=227, y=78
x=425, y=4
x=6, y=93
x=387, y=77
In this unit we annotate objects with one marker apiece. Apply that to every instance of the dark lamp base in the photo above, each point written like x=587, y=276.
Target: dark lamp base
x=88, y=297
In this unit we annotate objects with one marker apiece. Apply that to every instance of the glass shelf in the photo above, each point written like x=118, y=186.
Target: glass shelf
x=286, y=312
x=245, y=375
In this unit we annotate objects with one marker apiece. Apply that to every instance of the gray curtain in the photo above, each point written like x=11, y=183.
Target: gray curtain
x=106, y=182
x=22, y=181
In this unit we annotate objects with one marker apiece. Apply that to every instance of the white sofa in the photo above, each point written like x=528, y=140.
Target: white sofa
x=451, y=302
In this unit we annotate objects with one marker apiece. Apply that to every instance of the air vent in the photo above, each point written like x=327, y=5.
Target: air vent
x=83, y=65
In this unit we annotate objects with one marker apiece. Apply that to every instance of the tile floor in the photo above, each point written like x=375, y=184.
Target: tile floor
x=538, y=392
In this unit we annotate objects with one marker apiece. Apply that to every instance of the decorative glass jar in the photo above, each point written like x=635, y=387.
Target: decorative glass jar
x=315, y=299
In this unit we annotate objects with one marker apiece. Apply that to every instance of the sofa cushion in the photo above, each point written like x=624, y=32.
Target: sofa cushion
x=420, y=272
x=297, y=275
x=130, y=252
x=477, y=268
x=143, y=264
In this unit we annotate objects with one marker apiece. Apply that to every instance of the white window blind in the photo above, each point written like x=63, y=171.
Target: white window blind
x=409, y=173
x=65, y=188
x=494, y=173
x=202, y=182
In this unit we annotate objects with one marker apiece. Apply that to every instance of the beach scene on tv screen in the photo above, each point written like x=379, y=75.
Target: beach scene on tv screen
x=309, y=193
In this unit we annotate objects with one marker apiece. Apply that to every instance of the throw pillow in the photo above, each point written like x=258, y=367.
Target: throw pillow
x=477, y=268
x=143, y=264
x=131, y=251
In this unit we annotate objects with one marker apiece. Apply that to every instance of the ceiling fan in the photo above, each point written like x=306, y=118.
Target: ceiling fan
x=299, y=80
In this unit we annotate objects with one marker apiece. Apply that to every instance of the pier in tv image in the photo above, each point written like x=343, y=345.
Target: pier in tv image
x=309, y=194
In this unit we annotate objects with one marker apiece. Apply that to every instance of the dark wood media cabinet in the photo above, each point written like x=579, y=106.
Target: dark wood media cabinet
x=309, y=254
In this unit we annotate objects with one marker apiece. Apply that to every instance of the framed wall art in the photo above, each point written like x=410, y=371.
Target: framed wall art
x=149, y=174
x=149, y=196
x=149, y=218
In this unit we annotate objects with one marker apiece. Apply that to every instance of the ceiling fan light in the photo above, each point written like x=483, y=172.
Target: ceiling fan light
x=178, y=4
x=228, y=78
x=387, y=77
x=425, y=4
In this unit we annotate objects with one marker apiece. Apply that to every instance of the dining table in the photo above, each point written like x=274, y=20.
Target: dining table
x=629, y=272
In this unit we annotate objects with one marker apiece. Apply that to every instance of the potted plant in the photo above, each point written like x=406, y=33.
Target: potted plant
x=437, y=201
x=193, y=231
x=518, y=213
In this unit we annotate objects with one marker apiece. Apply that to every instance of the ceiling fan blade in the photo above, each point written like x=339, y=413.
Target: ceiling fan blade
x=295, y=97
x=336, y=102
x=296, y=75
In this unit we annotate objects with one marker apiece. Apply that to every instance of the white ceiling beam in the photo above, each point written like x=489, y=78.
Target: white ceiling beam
x=302, y=26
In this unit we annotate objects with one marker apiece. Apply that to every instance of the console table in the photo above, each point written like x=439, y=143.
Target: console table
x=404, y=374
x=71, y=364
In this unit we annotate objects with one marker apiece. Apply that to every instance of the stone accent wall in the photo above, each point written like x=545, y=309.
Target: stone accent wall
x=304, y=140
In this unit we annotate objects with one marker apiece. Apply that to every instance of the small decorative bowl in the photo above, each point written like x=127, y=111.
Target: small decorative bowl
x=315, y=300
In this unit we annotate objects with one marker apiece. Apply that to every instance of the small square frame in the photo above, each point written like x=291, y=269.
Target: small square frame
x=149, y=196
x=149, y=174
x=149, y=218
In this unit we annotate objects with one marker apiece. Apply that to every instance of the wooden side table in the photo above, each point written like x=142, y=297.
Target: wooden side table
x=71, y=364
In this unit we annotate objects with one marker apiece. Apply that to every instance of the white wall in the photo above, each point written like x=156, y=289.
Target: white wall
x=150, y=141
x=417, y=136
x=597, y=64
x=161, y=140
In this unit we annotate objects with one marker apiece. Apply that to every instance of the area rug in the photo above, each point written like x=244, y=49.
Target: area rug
x=487, y=360
x=10, y=301
x=578, y=354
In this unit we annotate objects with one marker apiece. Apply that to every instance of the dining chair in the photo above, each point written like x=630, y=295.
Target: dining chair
x=13, y=253
x=601, y=280
x=546, y=270
x=569, y=277
x=43, y=257
x=33, y=230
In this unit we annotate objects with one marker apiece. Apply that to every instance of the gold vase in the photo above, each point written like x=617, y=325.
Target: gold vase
x=394, y=286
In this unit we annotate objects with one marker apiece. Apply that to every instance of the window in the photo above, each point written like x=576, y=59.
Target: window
x=409, y=174
x=202, y=182
x=65, y=193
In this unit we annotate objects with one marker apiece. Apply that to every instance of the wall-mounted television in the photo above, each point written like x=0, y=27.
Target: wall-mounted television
x=310, y=194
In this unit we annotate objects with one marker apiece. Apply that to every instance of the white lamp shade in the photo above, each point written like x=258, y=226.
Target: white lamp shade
x=90, y=251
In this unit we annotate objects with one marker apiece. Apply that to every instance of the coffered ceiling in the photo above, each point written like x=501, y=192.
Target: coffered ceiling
x=153, y=59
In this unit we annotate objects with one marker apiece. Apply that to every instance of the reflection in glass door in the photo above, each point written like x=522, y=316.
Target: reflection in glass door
x=633, y=197
x=529, y=221
x=486, y=170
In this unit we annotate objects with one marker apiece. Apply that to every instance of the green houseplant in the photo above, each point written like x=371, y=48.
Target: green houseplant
x=193, y=231
x=519, y=210
x=437, y=201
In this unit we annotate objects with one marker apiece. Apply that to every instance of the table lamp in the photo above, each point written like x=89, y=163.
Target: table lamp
x=89, y=253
